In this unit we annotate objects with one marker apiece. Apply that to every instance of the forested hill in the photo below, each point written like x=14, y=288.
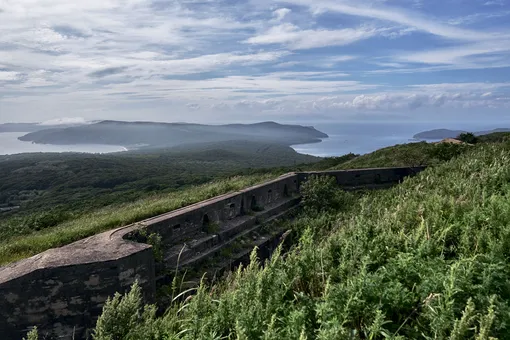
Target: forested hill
x=43, y=181
x=150, y=134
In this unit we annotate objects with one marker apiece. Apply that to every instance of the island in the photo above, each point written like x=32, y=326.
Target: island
x=163, y=135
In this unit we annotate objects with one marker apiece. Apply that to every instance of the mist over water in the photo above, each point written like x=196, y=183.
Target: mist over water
x=10, y=144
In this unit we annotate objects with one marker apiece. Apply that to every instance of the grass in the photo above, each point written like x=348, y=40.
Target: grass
x=427, y=259
x=119, y=215
x=411, y=154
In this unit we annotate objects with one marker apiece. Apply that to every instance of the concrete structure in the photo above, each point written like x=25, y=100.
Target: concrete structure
x=62, y=290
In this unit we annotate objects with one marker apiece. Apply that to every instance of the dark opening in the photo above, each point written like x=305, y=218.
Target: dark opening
x=232, y=206
x=358, y=176
x=242, y=207
x=285, y=191
x=205, y=223
x=378, y=178
x=177, y=227
x=253, y=204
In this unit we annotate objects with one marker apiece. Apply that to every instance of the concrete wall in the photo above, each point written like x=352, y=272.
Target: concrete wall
x=62, y=290
x=177, y=225
x=365, y=178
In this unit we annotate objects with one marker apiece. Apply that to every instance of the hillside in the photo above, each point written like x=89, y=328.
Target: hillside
x=445, y=133
x=157, y=135
x=39, y=191
x=411, y=154
x=429, y=259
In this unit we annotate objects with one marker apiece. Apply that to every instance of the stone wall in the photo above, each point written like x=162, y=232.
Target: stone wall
x=62, y=290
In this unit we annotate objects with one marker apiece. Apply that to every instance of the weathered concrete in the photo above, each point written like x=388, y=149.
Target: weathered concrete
x=62, y=290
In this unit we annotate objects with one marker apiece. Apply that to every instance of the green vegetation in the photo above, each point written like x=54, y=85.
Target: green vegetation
x=54, y=186
x=467, y=137
x=321, y=195
x=27, y=244
x=412, y=154
x=495, y=137
x=427, y=259
x=67, y=197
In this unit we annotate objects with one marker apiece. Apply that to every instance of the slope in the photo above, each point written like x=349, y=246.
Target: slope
x=427, y=259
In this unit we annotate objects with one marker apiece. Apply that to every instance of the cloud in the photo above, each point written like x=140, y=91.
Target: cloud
x=8, y=75
x=454, y=55
x=107, y=72
x=280, y=13
x=127, y=58
x=65, y=121
x=494, y=3
x=395, y=15
x=297, y=39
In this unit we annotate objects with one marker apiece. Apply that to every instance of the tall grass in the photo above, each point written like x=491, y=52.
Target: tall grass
x=427, y=259
x=119, y=215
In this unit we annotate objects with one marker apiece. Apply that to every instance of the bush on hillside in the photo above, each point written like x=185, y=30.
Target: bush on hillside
x=444, y=152
x=321, y=194
x=467, y=137
x=124, y=317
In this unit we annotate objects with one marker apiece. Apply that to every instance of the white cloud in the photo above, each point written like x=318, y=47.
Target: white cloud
x=297, y=39
x=8, y=75
x=456, y=54
x=281, y=13
x=494, y=3
x=65, y=121
x=396, y=15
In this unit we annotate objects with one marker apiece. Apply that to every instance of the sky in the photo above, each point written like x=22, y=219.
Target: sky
x=217, y=61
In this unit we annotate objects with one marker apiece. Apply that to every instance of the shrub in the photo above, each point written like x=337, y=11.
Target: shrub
x=32, y=335
x=321, y=194
x=467, y=137
x=444, y=152
x=124, y=317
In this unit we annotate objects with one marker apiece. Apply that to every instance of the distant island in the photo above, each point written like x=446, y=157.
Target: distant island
x=143, y=135
x=445, y=133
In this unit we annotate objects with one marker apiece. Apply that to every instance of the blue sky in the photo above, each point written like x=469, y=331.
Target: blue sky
x=221, y=61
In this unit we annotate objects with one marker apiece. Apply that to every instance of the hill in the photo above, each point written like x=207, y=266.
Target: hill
x=411, y=154
x=157, y=135
x=445, y=133
x=80, y=182
x=428, y=259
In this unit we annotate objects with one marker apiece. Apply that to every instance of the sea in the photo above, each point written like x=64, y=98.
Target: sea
x=365, y=137
x=356, y=137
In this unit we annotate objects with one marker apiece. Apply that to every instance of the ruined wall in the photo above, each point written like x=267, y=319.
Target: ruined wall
x=365, y=178
x=62, y=290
